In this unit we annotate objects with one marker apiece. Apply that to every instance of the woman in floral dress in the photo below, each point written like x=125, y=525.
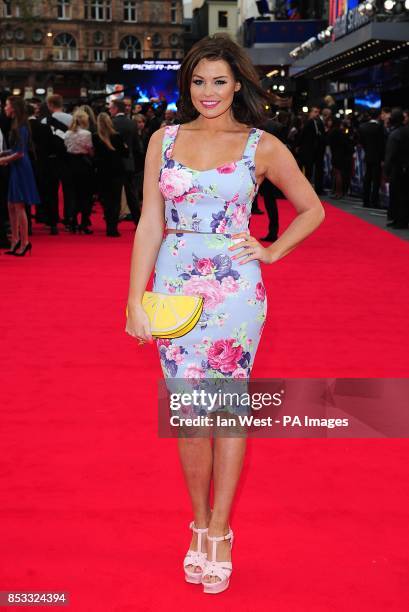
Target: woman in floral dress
x=201, y=177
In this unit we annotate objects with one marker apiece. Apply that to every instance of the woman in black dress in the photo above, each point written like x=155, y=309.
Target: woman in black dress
x=340, y=150
x=109, y=150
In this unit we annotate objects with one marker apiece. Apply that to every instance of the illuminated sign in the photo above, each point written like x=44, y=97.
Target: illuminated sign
x=349, y=22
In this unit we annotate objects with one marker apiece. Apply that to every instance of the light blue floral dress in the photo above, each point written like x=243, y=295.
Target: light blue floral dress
x=215, y=204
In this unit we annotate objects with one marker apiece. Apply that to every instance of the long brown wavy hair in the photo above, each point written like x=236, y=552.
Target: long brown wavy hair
x=249, y=103
x=19, y=120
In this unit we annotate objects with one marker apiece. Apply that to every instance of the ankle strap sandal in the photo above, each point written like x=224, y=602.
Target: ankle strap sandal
x=195, y=557
x=220, y=569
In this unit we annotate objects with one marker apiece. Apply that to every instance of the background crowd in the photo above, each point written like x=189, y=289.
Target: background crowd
x=93, y=153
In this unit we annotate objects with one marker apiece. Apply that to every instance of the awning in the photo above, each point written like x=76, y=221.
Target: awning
x=371, y=44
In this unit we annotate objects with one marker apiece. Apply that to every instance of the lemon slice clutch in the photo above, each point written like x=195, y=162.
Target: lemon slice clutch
x=171, y=316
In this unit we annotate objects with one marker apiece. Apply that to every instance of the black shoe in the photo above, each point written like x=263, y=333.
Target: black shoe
x=113, y=233
x=54, y=230
x=390, y=224
x=11, y=251
x=269, y=238
x=395, y=225
x=72, y=228
x=24, y=251
x=257, y=211
x=84, y=230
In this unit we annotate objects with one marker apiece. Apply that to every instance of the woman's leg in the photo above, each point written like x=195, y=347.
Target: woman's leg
x=227, y=464
x=22, y=223
x=196, y=459
x=13, y=224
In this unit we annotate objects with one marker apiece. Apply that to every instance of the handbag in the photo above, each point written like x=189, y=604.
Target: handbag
x=171, y=316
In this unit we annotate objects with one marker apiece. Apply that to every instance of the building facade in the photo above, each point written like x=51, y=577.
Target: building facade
x=62, y=45
x=215, y=17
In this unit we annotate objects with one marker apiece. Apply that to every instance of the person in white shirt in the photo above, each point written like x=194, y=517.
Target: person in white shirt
x=55, y=106
x=78, y=142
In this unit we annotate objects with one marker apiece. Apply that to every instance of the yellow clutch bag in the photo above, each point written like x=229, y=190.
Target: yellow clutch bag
x=171, y=316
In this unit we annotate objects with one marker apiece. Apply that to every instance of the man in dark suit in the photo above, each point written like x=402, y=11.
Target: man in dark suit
x=372, y=138
x=312, y=149
x=397, y=169
x=127, y=128
x=277, y=127
x=43, y=142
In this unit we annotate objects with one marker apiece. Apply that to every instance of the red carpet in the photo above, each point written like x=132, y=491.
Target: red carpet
x=93, y=503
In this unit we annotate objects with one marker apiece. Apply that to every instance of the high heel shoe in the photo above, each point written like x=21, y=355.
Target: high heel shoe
x=24, y=251
x=195, y=557
x=15, y=247
x=221, y=569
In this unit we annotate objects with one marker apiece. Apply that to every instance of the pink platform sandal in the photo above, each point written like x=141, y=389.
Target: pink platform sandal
x=195, y=557
x=221, y=569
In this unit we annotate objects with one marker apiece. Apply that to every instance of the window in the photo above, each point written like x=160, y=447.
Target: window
x=173, y=12
x=7, y=9
x=37, y=54
x=174, y=40
x=19, y=34
x=98, y=38
x=130, y=12
x=130, y=47
x=7, y=53
x=65, y=48
x=98, y=10
x=222, y=19
x=99, y=55
x=37, y=36
x=20, y=55
x=64, y=9
x=156, y=40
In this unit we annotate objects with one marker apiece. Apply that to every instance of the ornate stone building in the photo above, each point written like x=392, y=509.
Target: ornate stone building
x=63, y=45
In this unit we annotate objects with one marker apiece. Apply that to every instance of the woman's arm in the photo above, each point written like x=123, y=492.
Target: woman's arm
x=279, y=166
x=18, y=151
x=9, y=159
x=88, y=144
x=147, y=240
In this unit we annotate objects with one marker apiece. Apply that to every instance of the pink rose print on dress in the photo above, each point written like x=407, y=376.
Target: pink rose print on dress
x=204, y=266
x=230, y=285
x=226, y=168
x=223, y=356
x=239, y=216
x=173, y=354
x=171, y=131
x=194, y=372
x=239, y=373
x=260, y=292
x=175, y=182
x=183, y=197
x=210, y=289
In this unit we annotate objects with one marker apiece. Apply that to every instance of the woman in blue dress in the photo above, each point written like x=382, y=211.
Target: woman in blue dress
x=201, y=177
x=22, y=190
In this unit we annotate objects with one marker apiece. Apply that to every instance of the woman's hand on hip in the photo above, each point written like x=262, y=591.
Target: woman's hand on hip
x=251, y=249
x=138, y=324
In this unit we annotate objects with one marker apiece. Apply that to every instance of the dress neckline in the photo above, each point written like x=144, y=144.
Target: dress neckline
x=238, y=161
